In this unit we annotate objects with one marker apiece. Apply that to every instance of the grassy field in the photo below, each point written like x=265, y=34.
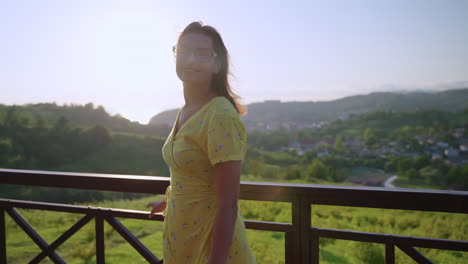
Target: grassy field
x=268, y=246
x=404, y=182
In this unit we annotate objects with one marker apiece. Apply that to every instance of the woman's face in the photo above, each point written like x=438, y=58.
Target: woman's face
x=195, y=62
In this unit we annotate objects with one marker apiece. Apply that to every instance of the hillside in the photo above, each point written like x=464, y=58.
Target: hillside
x=276, y=111
x=88, y=115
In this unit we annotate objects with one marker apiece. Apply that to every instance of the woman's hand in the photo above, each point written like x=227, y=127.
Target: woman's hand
x=158, y=206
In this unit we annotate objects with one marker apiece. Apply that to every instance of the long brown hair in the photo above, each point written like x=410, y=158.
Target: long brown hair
x=220, y=81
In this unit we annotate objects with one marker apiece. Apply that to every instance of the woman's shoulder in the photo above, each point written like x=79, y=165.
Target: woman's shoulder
x=223, y=107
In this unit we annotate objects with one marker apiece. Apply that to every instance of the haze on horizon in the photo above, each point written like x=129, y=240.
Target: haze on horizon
x=118, y=53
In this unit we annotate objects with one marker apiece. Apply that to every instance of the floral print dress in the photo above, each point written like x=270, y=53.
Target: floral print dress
x=215, y=133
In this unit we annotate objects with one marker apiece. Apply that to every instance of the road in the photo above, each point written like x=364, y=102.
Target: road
x=388, y=182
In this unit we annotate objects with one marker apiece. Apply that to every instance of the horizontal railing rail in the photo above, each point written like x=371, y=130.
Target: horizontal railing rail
x=301, y=239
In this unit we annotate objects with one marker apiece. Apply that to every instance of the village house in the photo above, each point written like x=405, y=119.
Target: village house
x=442, y=144
x=464, y=147
x=436, y=155
x=451, y=153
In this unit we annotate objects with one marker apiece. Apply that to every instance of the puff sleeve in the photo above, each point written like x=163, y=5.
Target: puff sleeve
x=227, y=139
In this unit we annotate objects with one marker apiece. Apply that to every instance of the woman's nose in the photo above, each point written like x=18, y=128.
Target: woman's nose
x=191, y=57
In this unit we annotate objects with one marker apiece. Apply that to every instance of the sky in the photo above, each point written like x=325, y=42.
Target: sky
x=118, y=53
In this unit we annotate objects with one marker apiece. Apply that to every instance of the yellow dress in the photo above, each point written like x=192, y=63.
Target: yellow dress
x=213, y=134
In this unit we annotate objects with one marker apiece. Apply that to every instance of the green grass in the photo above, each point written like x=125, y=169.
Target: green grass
x=250, y=177
x=404, y=182
x=267, y=246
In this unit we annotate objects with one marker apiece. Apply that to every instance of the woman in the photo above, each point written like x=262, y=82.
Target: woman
x=204, y=152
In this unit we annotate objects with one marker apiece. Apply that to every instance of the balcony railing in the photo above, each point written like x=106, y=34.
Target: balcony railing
x=301, y=239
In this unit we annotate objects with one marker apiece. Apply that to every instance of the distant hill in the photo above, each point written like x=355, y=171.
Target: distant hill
x=276, y=111
x=79, y=115
x=167, y=117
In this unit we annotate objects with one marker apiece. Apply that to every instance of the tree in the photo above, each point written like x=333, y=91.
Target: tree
x=317, y=170
x=454, y=175
x=464, y=177
x=17, y=119
x=294, y=172
x=404, y=164
x=391, y=164
x=422, y=161
x=62, y=125
x=98, y=137
x=339, y=147
x=5, y=150
x=338, y=175
x=254, y=166
x=412, y=174
x=370, y=137
x=41, y=123
x=89, y=106
x=430, y=175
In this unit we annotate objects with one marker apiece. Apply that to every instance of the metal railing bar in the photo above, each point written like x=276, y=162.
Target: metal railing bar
x=445, y=244
x=354, y=196
x=124, y=213
x=32, y=233
x=132, y=240
x=79, y=209
x=414, y=254
x=89, y=181
x=268, y=226
x=59, y=241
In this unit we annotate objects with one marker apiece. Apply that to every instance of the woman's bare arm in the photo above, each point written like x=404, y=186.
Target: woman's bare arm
x=227, y=180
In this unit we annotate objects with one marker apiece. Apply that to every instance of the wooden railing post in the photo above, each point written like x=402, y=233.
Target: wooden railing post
x=301, y=214
x=389, y=253
x=3, y=256
x=100, y=254
x=289, y=248
x=296, y=230
x=305, y=229
x=314, y=246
